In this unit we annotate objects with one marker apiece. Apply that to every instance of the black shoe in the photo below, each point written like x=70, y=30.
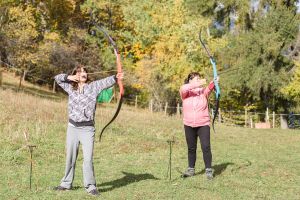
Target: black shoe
x=60, y=188
x=189, y=172
x=94, y=192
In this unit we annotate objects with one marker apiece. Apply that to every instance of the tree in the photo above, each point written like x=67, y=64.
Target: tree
x=292, y=90
x=21, y=33
x=261, y=68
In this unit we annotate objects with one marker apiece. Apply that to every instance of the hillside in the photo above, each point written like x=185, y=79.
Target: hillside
x=131, y=161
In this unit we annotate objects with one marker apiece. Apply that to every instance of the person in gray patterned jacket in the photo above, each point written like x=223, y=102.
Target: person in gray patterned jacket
x=81, y=109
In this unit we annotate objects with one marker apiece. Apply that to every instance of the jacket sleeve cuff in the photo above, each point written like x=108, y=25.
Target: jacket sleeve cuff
x=211, y=85
x=66, y=78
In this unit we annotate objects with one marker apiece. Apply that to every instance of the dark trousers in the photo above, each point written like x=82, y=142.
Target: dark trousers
x=191, y=135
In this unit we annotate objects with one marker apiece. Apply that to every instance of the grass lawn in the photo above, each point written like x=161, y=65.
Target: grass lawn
x=131, y=161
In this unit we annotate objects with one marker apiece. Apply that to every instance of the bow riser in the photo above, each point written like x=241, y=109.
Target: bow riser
x=215, y=74
x=119, y=69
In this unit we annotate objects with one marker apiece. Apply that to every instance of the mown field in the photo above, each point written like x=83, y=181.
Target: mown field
x=131, y=161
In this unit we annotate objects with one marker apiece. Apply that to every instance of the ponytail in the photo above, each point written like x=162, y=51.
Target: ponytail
x=190, y=77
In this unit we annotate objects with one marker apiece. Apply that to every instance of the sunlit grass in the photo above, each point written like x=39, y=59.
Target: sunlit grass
x=131, y=161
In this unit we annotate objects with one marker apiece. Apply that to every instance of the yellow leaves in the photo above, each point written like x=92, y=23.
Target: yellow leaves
x=250, y=107
x=52, y=36
x=217, y=43
x=59, y=13
x=169, y=15
x=72, y=3
x=143, y=70
x=21, y=28
x=168, y=46
x=136, y=50
x=22, y=23
x=293, y=88
x=137, y=86
x=174, y=44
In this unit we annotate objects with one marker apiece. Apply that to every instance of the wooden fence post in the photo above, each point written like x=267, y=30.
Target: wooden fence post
x=54, y=89
x=24, y=75
x=178, y=110
x=166, y=108
x=1, y=77
x=273, y=119
x=114, y=95
x=251, y=122
x=246, y=117
x=136, y=99
x=267, y=115
x=21, y=78
x=151, y=105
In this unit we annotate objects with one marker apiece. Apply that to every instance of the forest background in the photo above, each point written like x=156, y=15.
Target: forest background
x=256, y=45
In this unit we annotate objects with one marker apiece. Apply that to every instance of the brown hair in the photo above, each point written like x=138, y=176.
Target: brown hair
x=78, y=69
x=191, y=76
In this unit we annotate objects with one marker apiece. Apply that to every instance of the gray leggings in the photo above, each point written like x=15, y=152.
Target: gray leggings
x=80, y=135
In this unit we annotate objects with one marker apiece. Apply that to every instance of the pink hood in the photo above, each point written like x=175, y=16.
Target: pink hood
x=195, y=104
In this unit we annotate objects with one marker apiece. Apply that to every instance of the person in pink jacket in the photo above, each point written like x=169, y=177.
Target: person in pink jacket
x=196, y=120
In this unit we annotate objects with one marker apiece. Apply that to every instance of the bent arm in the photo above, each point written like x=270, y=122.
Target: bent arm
x=186, y=89
x=209, y=88
x=102, y=84
x=63, y=82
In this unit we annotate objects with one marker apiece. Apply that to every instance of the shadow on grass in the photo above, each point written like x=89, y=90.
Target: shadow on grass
x=218, y=169
x=243, y=166
x=127, y=179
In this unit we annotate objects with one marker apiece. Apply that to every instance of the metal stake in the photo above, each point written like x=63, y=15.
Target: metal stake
x=30, y=174
x=170, y=158
x=30, y=147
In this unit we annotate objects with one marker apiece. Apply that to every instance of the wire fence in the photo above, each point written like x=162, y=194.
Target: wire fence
x=249, y=119
x=244, y=118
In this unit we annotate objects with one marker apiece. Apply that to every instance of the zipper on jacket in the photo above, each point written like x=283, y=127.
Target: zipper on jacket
x=85, y=113
x=194, y=118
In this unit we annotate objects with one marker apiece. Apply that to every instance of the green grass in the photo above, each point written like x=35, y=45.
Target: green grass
x=131, y=161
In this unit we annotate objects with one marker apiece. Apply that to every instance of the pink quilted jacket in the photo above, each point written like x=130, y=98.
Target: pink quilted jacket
x=195, y=104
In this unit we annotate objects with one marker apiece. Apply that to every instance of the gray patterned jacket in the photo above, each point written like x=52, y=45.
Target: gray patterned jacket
x=82, y=106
